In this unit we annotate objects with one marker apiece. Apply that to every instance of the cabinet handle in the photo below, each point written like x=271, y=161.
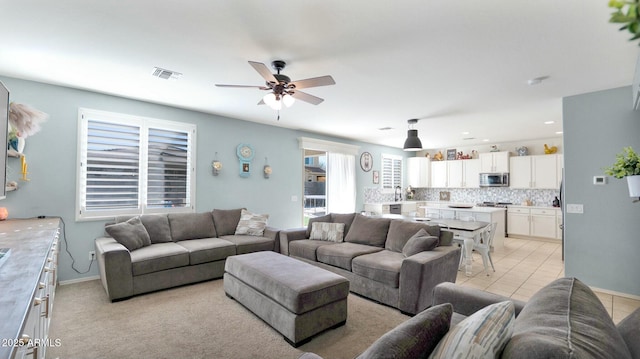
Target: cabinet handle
x=37, y=301
x=41, y=285
x=46, y=309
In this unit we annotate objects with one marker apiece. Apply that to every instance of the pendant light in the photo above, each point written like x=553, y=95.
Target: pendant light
x=412, y=143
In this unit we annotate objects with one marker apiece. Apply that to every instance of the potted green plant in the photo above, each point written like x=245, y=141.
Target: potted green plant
x=627, y=165
x=627, y=12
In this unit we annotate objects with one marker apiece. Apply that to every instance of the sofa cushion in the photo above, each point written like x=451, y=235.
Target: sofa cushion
x=629, y=328
x=482, y=335
x=157, y=226
x=325, y=218
x=565, y=319
x=346, y=218
x=401, y=231
x=326, y=231
x=191, y=226
x=248, y=244
x=341, y=254
x=306, y=248
x=130, y=234
x=226, y=220
x=251, y=223
x=370, y=231
x=415, y=338
x=383, y=267
x=419, y=242
x=208, y=249
x=157, y=257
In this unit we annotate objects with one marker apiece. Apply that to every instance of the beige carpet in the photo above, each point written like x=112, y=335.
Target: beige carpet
x=195, y=321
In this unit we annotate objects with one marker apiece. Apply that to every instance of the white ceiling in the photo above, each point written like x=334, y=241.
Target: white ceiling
x=459, y=66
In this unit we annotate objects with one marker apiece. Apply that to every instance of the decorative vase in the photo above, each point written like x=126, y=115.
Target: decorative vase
x=634, y=185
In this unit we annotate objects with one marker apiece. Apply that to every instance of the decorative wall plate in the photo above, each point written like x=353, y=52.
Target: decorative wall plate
x=366, y=161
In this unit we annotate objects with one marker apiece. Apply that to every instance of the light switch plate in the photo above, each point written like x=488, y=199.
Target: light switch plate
x=575, y=208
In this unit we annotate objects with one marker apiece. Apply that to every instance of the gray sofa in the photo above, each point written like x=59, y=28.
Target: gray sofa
x=370, y=255
x=563, y=320
x=154, y=252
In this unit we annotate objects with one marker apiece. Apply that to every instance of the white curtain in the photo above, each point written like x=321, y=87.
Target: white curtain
x=341, y=183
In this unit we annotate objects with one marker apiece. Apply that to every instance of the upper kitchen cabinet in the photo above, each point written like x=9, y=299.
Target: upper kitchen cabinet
x=535, y=172
x=418, y=171
x=496, y=162
x=463, y=174
x=439, y=174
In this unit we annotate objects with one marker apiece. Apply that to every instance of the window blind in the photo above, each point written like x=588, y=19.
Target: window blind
x=391, y=171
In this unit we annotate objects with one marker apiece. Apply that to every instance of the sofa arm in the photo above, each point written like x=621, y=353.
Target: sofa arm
x=114, y=263
x=466, y=300
x=273, y=234
x=288, y=235
x=421, y=272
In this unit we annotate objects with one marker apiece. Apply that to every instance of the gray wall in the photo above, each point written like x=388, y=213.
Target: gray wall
x=603, y=244
x=51, y=155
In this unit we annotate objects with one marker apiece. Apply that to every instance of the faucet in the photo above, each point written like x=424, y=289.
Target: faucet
x=398, y=194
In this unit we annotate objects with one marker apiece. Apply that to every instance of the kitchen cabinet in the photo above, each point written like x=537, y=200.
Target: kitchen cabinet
x=539, y=222
x=534, y=172
x=494, y=162
x=439, y=174
x=455, y=174
x=406, y=208
x=418, y=171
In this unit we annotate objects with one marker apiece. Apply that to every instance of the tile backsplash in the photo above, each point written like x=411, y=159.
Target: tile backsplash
x=538, y=197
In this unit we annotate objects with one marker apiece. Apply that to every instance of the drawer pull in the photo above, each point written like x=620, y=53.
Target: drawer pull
x=37, y=301
x=41, y=285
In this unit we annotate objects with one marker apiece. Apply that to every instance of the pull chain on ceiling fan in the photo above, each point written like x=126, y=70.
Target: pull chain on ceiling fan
x=281, y=89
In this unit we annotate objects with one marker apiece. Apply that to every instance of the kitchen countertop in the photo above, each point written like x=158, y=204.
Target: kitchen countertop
x=392, y=202
x=472, y=209
x=536, y=207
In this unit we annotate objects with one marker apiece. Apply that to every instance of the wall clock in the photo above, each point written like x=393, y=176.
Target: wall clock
x=245, y=154
x=366, y=161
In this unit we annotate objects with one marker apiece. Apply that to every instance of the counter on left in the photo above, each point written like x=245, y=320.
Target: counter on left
x=28, y=281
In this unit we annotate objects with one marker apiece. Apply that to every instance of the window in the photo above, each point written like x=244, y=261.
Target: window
x=391, y=172
x=131, y=165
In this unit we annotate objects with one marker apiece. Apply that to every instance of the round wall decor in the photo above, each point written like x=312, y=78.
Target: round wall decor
x=366, y=161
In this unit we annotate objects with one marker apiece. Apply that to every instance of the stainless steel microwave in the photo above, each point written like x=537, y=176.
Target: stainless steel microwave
x=494, y=179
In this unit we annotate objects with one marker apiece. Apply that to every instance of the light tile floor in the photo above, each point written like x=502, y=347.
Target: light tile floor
x=523, y=266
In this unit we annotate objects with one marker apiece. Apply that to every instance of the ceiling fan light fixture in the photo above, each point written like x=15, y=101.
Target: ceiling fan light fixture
x=288, y=100
x=272, y=100
x=412, y=143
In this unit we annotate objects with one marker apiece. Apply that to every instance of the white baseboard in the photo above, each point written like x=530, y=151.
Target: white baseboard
x=79, y=280
x=617, y=294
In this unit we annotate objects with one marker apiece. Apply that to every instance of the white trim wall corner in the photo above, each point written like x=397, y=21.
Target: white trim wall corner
x=131, y=165
x=327, y=146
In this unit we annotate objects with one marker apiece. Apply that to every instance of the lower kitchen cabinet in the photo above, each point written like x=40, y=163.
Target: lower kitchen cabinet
x=541, y=222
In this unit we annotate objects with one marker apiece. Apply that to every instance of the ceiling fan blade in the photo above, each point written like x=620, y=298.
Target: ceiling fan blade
x=314, y=82
x=264, y=71
x=244, y=86
x=303, y=96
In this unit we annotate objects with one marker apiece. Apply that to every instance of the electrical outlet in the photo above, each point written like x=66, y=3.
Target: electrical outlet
x=92, y=255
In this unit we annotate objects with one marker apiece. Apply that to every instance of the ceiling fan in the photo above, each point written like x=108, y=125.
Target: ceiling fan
x=281, y=89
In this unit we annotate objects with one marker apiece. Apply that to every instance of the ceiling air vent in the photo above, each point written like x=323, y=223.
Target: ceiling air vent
x=165, y=74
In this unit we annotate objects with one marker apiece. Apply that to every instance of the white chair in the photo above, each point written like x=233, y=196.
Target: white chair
x=482, y=245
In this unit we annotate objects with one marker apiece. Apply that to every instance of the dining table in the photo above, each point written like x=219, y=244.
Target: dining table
x=467, y=232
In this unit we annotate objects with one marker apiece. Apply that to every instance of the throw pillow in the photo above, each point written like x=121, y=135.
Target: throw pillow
x=252, y=224
x=400, y=231
x=191, y=226
x=482, y=335
x=130, y=234
x=325, y=218
x=415, y=338
x=326, y=231
x=419, y=242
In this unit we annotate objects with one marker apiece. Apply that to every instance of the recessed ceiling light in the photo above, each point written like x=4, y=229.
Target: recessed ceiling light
x=537, y=80
x=385, y=128
x=465, y=133
x=559, y=133
x=165, y=74
x=485, y=140
x=549, y=122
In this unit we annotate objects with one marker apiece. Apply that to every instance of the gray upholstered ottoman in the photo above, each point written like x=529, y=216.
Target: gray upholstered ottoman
x=297, y=299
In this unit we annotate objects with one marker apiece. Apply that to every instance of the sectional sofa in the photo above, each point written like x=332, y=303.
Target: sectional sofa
x=386, y=260
x=152, y=252
x=565, y=319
